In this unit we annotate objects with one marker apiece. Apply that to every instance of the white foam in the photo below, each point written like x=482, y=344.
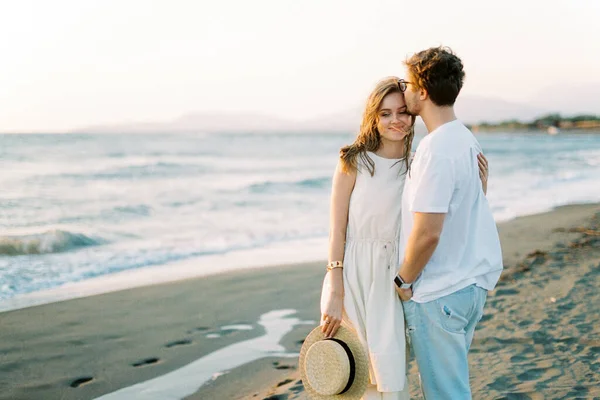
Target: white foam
x=272, y=255
x=187, y=380
x=239, y=327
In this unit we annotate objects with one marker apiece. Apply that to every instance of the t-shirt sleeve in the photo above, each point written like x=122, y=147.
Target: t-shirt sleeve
x=432, y=184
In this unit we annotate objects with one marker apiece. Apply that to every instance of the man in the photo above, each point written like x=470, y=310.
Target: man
x=450, y=243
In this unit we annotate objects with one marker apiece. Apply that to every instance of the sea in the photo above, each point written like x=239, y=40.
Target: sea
x=89, y=213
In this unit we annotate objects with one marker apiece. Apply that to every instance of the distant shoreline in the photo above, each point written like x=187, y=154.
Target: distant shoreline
x=503, y=129
x=551, y=123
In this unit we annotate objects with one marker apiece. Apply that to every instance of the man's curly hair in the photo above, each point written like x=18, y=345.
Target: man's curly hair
x=439, y=71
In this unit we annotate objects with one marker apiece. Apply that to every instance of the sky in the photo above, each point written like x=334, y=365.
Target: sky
x=69, y=64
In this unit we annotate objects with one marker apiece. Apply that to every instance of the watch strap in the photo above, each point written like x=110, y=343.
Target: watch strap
x=400, y=282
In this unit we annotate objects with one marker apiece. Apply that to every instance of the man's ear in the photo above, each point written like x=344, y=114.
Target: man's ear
x=423, y=95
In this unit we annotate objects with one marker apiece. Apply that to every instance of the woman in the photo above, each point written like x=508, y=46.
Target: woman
x=363, y=247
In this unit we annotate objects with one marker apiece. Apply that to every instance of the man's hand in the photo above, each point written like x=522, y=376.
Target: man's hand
x=405, y=294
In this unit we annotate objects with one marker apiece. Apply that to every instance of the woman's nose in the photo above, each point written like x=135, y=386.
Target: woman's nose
x=397, y=119
x=404, y=118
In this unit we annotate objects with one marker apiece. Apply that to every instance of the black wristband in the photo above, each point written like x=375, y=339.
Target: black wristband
x=401, y=283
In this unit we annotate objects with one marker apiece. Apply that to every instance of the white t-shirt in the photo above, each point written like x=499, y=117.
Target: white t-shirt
x=444, y=178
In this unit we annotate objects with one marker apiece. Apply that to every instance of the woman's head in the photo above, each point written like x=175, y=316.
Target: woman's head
x=385, y=119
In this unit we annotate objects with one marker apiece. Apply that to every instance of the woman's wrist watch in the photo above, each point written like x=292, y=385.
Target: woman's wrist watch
x=401, y=283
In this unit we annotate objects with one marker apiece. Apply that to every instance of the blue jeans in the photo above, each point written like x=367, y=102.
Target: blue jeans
x=440, y=334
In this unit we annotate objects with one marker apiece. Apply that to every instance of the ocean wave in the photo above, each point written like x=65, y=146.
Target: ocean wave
x=54, y=241
x=151, y=170
x=133, y=169
x=140, y=209
x=271, y=186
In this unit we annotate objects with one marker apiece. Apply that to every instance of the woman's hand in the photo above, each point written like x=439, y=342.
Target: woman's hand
x=483, y=171
x=332, y=312
x=404, y=294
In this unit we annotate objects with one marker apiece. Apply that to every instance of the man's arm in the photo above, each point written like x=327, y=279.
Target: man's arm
x=422, y=242
x=431, y=192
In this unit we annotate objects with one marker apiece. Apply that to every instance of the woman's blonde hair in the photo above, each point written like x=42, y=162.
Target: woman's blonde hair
x=368, y=138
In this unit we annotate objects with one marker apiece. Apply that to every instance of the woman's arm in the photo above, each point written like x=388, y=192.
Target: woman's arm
x=483, y=171
x=342, y=186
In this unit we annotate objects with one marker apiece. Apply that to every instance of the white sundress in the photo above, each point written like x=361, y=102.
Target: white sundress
x=371, y=304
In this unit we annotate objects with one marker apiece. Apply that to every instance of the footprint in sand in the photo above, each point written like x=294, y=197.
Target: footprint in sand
x=181, y=342
x=146, y=361
x=548, y=378
x=578, y=391
x=525, y=323
x=520, y=358
x=81, y=381
x=504, y=292
x=501, y=383
x=297, y=388
x=568, y=306
x=486, y=317
x=532, y=374
x=276, y=365
x=585, y=328
x=284, y=382
x=198, y=329
x=577, y=319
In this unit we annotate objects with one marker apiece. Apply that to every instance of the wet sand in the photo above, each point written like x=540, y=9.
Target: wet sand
x=540, y=337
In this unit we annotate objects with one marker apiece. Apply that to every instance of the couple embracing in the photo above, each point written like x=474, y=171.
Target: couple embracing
x=413, y=247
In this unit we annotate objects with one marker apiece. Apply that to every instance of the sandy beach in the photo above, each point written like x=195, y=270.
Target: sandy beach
x=238, y=333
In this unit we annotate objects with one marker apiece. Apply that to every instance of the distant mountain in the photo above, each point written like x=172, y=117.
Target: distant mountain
x=346, y=121
x=198, y=123
x=470, y=109
x=475, y=109
x=227, y=122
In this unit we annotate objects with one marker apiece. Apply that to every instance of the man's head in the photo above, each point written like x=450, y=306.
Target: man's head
x=434, y=75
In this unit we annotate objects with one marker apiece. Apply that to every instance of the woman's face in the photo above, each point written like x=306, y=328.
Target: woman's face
x=393, y=120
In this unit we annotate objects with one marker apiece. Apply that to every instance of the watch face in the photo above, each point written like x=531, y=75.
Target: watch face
x=401, y=284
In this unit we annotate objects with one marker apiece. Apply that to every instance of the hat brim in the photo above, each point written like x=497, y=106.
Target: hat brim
x=361, y=375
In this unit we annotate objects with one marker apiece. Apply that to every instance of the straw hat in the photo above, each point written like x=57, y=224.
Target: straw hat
x=336, y=368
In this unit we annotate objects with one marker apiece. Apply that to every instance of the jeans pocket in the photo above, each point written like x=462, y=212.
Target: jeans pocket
x=481, y=299
x=455, y=310
x=409, y=316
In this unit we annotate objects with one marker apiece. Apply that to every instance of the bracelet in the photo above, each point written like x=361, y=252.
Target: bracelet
x=334, y=264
